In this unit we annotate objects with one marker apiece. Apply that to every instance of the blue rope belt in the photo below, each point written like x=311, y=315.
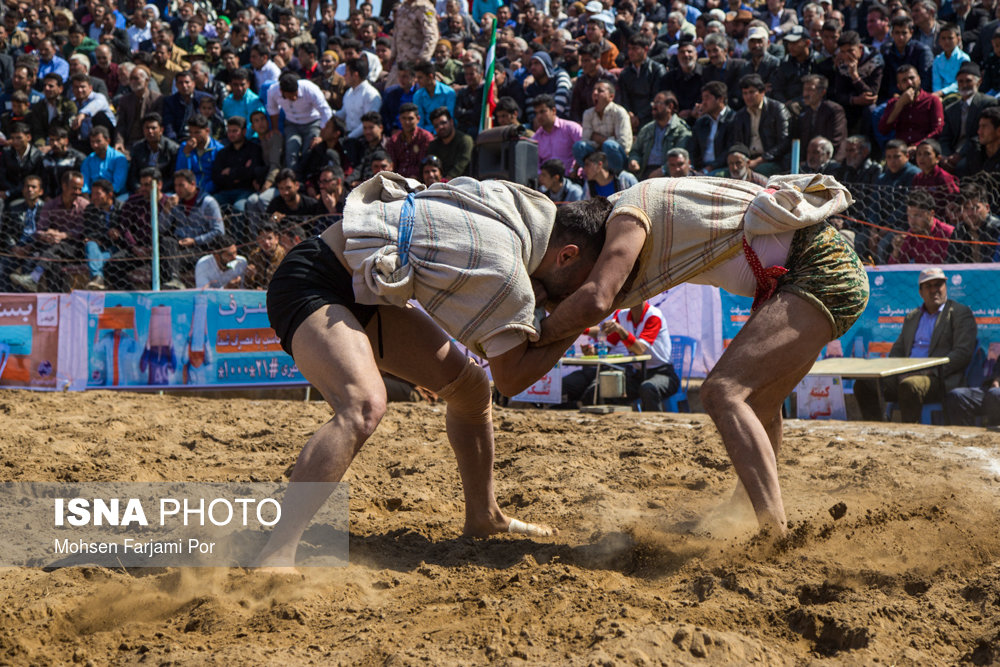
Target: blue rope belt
x=406, y=219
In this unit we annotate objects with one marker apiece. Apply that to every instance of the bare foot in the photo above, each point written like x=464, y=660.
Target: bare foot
x=502, y=524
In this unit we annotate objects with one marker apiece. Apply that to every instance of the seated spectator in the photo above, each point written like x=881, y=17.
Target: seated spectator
x=20, y=81
x=326, y=153
x=396, y=96
x=821, y=117
x=236, y=167
x=181, y=106
x=469, y=100
x=241, y=101
x=665, y=131
x=18, y=114
x=948, y=61
x=963, y=404
x=49, y=62
x=679, y=163
x=92, y=110
x=890, y=208
x=961, y=119
x=18, y=160
x=374, y=138
x=984, y=154
x=591, y=72
x=133, y=237
x=857, y=78
x=915, y=247
x=104, y=163
x=103, y=69
x=940, y=327
x=216, y=123
x=914, y=114
x=738, y=163
x=192, y=223
x=430, y=170
x=133, y=107
x=721, y=67
x=60, y=158
x=360, y=98
x=547, y=80
x=819, y=157
x=272, y=146
x=52, y=110
x=508, y=113
x=597, y=33
x=57, y=238
x=977, y=225
x=553, y=181
x=331, y=191
x=264, y=258
x=452, y=147
x=198, y=153
x=408, y=146
x=606, y=127
x=941, y=183
x=802, y=60
x=858, y=167
x=711, y=134
x=154, y=150
x=687, y=81
x=99, y=221
x=556, y=136
x=758, y=60
x=17, y=232
x=223, y=268
x=762, y=126
x=600, y=182
x=430, y=94
x=290, y=201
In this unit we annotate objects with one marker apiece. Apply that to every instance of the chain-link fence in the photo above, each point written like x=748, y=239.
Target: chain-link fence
x=61, y=246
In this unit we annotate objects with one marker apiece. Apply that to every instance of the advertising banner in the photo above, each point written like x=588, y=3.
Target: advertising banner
x=29, y=326
x=191, y=338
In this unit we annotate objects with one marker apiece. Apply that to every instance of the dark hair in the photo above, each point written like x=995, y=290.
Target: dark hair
x=638, y=39
x=973, y=192
x=424, y=67
x=150, y=172
x=52, y=76
x=260, y=50
x=508, y=104
x=372, y=117
x=991, y=114
x=381, y=156
x=103, y=184
x=222, y=242
x=934, y=144
x=79, y=77
x=352, y=44
x=409, y=107
x=197, y=120
x=186, y=74
x=187, y=175
x=821, y=81
x=597, y=157
x=669, y=99
x=286, y=174
x=288, y=82
x=383, y=41
x=405, y=66
x=752, y=81
x=901, y=21
x=22, y=128
x=71, y=174
x=716, y=89
x=309, y=47
x=878, y=8
x=432, y=160
x=239, y=75
x=554, y=167
x=581, y=223
x=359, y=66
x=99, y=131
x=590, y=49
x=906, y=68
x=544, y=101
x=60, y=131
x=236, y=121
x=440, y=111
x=920, y=198
x=896, y=144
x=849, y=38
x=19, y=96
x=152, y=118
x=952, y=28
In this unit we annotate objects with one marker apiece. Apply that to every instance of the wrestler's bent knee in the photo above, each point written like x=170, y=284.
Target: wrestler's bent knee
x=468, y=396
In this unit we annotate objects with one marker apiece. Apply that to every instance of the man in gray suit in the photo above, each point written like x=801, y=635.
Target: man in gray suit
x=939, y=328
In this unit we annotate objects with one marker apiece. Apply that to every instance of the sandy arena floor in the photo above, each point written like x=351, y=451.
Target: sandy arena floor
x=908, y=575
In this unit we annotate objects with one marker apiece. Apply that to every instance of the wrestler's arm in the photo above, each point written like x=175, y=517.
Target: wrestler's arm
x=595, y=299
x=519, y=368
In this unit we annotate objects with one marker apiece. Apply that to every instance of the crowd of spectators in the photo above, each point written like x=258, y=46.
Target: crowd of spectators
x=252, y=120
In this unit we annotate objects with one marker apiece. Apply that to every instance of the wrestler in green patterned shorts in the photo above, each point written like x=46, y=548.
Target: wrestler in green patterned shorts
x=824, y=270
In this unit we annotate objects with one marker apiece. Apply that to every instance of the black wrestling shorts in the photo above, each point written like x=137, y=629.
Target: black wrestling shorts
x=309, y=278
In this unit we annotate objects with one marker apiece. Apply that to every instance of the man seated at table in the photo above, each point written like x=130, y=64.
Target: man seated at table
x=939, y=328
x=632, y=331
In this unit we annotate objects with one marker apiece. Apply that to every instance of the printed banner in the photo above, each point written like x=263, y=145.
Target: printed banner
x=203, y=338
x=29, y=329
x=548, y=389
x=820, y=397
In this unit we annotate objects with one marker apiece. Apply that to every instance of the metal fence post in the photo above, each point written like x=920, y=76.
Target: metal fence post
x=154, y=205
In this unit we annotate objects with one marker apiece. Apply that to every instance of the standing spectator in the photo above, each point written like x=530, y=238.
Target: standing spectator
x=134, y=106
x=91, y=109
x=915, y=114
x=904, y=50
x=236, y=167
x=223, y=268
x=60, y=158
x=104, y=163
x=153, y=150
x=548, y=80
x=555, y=136
x=639, y=81
x=890, y=209
x=712, y=131
x=408, y=146
x=606, y=127
x=856, y=80
x=665, y=131
x=927, y=239
x=453, y=147
x=762, y=125
x=802, y=60
x=18, y=160
x=264, y=258
x=685, y=80
x=306, y=111
x=415, y=35
x=265, y=72
x=430, y=94
x=948, y=61
x=99, y=219
x=241, y=101
x=821, y=117
x=552, y=178
x=469, y=100
x=198, y=153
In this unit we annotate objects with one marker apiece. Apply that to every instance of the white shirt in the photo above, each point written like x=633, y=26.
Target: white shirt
x=208, y=274
x=357, y=102
x=308, y=107
x=269, y=72
x=374, y=67
x=137, y=35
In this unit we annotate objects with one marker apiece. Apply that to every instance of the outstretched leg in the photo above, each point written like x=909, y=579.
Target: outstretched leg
x=332, y=351
x=418, y=350
x=744, y=392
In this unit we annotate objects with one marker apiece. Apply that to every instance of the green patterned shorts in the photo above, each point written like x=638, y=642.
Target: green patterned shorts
x=824, y=270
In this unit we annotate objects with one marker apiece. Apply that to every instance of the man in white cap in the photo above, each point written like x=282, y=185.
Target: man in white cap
x=666, y=231
x=940, y=327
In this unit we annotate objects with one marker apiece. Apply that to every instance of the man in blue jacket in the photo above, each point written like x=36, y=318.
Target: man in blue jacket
x=198, y=152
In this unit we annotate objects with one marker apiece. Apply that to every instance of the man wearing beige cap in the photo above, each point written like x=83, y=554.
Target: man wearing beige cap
x=939, y=328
